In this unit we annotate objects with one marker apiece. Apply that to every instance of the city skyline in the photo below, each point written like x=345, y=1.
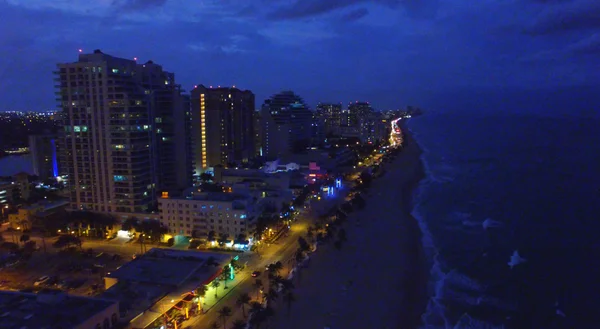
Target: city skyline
x=409, y=55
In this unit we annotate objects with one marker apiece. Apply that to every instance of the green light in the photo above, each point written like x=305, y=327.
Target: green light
x=231, y=272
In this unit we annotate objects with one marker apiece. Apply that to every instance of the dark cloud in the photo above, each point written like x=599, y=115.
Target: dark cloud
x=308, y=8
x=355, y=15
x=138, y=4
x=587, y=46
x=573, y=16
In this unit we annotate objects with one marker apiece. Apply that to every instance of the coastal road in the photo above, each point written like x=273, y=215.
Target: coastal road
x=283, y=250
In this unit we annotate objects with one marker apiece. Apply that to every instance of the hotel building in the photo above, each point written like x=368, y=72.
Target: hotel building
x=198, y=213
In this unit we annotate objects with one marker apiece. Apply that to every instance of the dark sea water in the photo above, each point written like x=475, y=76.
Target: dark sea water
x=505, y=183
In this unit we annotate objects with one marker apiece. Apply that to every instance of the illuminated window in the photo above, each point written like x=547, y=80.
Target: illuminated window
x=76, y=129
x=119, y=178
x=158, y=120
x=115, y=70
x=165, y=195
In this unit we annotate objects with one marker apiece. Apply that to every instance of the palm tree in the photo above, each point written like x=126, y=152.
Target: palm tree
x=270, y=296
x=289, y=298
x=239, y=324
x=267, y=312
x=224, y=276
x=215, y=284
x=258, y=285
x=275, y=268
x=224, y=313
x=242, y=301
x=201, y=292
x=215, y=325
x=256, y=311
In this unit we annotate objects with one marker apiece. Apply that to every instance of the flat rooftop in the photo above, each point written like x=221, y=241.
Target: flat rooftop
x=47, y=205
x=146, y=284
x=48, y=309
x=168, y=267
x=217, y=196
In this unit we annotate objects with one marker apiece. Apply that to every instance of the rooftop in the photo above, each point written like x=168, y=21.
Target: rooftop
x=168, y=267
x=47, y=310
x=47, y=205
x=195, y=194
x=149, y=283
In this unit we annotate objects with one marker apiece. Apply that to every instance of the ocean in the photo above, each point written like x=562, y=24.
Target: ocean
x=506, y=183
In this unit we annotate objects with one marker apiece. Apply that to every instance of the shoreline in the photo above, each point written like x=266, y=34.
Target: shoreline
x=379, y=277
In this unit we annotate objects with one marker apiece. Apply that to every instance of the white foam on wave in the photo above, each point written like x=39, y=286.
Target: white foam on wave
x=490, y=223
x=516, y=259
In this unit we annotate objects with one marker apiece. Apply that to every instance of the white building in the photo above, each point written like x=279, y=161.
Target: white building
x=201, y=212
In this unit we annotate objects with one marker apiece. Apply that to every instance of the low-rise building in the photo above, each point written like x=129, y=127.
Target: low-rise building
x=229, y=177
x=25, y=216
x=55, y=309
x=160, y=280
x=198, y=213
x=15, y=189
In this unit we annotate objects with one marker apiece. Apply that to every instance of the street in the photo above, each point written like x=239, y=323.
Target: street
x=283, y=250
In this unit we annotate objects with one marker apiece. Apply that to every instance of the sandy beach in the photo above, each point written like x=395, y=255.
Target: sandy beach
x=378, y=278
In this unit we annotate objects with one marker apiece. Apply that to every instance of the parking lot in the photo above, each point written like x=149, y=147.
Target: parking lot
x=78, y=271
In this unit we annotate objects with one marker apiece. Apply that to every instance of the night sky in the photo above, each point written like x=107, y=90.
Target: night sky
x=432, y=53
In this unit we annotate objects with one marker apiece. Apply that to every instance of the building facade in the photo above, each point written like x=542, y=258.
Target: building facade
x=199, y=213
x=331, y=117
x=223, y=126
x=258, y=135
x=286, y=124
x=124, y=126
x=44, y=155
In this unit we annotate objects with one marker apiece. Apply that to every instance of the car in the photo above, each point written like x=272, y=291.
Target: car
x=255, y=274
x=41, y=280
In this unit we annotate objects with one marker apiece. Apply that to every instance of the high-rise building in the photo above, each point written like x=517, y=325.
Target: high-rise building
x=125, y=136
x=257, y=133
x=44, y=156
x=223, y=126
x=356, y=111
x=286, y=124
x=331, y=115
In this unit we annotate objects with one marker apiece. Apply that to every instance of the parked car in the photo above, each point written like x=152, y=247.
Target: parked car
x=255, y=274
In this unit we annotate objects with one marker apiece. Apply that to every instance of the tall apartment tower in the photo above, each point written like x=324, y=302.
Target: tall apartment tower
x=356, y=111
x=257, y=133
x=124, y=137
x=223, y=126
x=44, y=155
x=331, y=117
x=286, y=124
